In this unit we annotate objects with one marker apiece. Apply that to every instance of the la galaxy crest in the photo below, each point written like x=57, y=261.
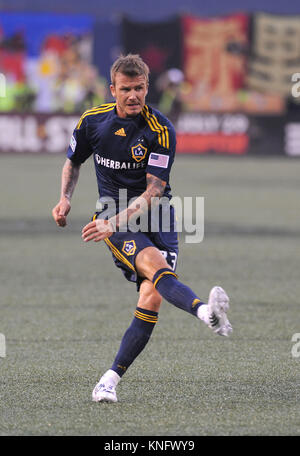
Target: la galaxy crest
x=138, y=152
x=129, y=247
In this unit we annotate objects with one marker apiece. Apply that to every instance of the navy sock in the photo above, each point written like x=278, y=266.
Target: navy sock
x=134, y=339
x=175, y=292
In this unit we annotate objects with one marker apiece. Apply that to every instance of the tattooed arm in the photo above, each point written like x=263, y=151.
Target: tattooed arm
x=69, y=178
x=155, y=189
x=100, y=229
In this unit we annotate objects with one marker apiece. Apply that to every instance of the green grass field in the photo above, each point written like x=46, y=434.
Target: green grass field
x=64, y=308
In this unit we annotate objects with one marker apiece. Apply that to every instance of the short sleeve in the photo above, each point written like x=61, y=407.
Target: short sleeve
x=79, y=148
x=162, y=153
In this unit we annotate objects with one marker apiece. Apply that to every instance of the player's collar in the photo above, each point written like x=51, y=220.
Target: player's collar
x=136, y=118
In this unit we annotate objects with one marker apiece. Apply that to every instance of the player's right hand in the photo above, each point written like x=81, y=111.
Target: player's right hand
x=97, y=230
x=60, y=212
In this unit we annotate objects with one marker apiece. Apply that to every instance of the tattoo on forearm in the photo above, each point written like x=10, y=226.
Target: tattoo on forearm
x=155, y=189
x=70, y=174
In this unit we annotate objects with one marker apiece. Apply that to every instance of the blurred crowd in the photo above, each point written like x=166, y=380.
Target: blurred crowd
x=61, y=79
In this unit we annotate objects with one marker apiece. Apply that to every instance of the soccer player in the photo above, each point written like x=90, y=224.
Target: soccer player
x=133, y=147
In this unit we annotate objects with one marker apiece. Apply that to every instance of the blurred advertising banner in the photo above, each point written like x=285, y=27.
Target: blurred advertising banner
x=274, y=53
x=197, y=133
x=36, y=133
x=159, y=45
x=214, y=57
x=292, y=138
x=239, y=134
x=215, y=53
x=213, y=133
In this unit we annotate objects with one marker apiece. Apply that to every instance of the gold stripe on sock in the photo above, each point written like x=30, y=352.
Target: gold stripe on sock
x=164, y=273
x=196, y=301
x=145, y=317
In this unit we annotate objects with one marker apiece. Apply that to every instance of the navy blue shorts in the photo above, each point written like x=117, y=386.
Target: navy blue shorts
x=125, y=246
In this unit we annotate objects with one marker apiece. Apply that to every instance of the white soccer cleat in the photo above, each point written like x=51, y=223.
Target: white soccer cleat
x=214, y=313
x=105, y=390
x=218, y=305
x=104, y=393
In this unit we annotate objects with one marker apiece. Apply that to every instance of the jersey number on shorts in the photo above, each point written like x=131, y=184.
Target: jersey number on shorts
x=171, y=258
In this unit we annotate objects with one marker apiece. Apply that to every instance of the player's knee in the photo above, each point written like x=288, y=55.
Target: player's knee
x=150, y=300
x=155, y=300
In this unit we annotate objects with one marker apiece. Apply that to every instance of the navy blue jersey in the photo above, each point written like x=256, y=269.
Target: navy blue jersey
x=124, y=149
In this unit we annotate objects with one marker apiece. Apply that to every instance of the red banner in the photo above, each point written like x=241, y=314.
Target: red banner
x=215, y=143
x=214, y=59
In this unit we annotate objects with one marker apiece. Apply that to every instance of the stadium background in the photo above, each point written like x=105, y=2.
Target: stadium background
x=225, y=80
x=223, y=73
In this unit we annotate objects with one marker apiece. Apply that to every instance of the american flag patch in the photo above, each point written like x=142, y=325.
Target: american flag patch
x=159, y=160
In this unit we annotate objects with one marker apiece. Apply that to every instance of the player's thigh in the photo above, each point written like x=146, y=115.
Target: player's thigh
x=149, y=298
x=148, y=261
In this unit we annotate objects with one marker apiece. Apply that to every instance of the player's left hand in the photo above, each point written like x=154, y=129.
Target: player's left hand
x=97, y=230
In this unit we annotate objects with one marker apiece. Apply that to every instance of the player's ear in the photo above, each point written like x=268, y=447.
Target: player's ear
x=112, y=90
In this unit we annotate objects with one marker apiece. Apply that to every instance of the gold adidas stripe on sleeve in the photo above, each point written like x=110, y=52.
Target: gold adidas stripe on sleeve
x=161, y=130
x=97, y=110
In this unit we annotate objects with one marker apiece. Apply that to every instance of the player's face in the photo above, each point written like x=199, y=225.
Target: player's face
x=130, y=94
